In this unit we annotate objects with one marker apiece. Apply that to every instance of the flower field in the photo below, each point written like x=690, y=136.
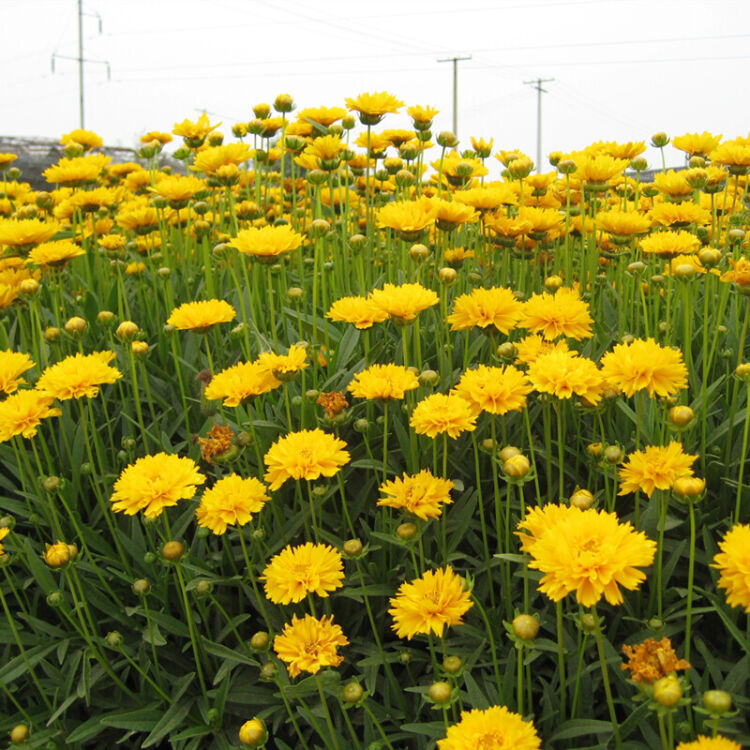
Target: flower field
x=330, y=439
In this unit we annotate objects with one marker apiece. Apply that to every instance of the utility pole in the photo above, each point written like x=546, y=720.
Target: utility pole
x=537, y=84
x=455, y=61
x=81, y=60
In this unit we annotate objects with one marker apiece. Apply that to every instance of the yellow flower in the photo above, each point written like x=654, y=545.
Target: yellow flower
x=307, y=454
x=496, y=390
x=539, y=520
x=679, y=214
x=54, y=254
x=359, y=311
x=56, y=555
x=599, y=169
x=6, y=160
x=86, y=138
x=740, y=273
x=194, y=133
x=670, y=243
x=422, y=114
x=298, y=571
x=79, y=375
x=733, y=562
x=232, y=501
x=383, y=381
x=494, y=728
x=451, y=214
x=284, y=366
x=440, y=413
x=404, y=302
x=324, y=116
x=628, y=150
x=561, y=314
x=542, y=220
x=212, y=159
x=3, y=533
x=308, y=644
x=673, y=184
x=76, y=171
x=732, y=154
x=487, y=197
x=240, y=382
x=564, y=374
x=482, y=308
x=697, y=144
x=218, y=441
x=199, y=316
x=178, y=188
x=623, y=223
x=12, y=366
x=655, y=468
x=651, y=660
x=24, y=232
x=138, y=218
x=702, y=742
x=22, y=412
x=407, y=217
x=422, y=495
x=429, y=604
x=267, y=242
x=592, y=554
x=155, y=482
x=156, y=135
x=373, y=107
x=645, y=364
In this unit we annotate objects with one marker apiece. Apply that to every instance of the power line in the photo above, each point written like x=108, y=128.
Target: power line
x=455, y=61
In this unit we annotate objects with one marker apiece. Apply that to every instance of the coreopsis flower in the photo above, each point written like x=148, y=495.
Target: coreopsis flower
x=492, y=728
x=481, y=308
x=628, y=150
x=421, y=114
x=451, y=214
x=539, y=520
x=697, y=144
x=455, y=256
x=219, y=441
x=267, y=243
x=532, y=346
x=359, y=311
x=403, y=302
x=307, y=454
x=56, y=555
x=443, y=414
x=373, y=107
x=178, y=188
x=564, y=374
x=740, y=273
x=651, y=660
x=200, y=316
x=309, y=644
x=232, y=501
x=422, y=494
x=623, y=223
x=77, y=171
x=496, y=390
x=85, y=138
x=679, y=214
x=407, y=217
x=733, y=562
x=54, y=254
x=592, y=554
x=673, y=184
x=22, y=412
x=212, y=159
x=430, y=603
x=732, y=154
x=598, y=169
x=324, y=116
x=670, y=243
x=3, y=533
x=6, y=160
x=655, y=468
x=79, y=375
x=156, y=135
x=284, y=366
x=194, y=133
x=542, y=220
x=298, y=571
x=333, y=403
x=155, y=482
x=640, y=365
x=241, y=382
x=137, y=217
x=561, y=314
x=383, y=381
x=702, y=742
x=26, y=232
x=12, y=366
x=487, y=197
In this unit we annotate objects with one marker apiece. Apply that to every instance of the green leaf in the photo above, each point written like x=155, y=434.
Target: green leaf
x=137, y=720
x=578, y=727
x=169, y=721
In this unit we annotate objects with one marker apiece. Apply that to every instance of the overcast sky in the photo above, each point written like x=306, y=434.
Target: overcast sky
x=622, y=69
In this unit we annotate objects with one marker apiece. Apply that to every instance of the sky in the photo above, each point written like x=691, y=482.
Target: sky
x=621, y=69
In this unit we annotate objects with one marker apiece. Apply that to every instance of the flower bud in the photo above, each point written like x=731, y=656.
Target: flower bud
x=139, y=348
x=55, y=598
x=19, y=734
x=419, y=252
x=352, y=692
x=638, y=164
x=253, y=733
x=446, y=139
x=489, y=445
x=508, y=350
x=709, y=256
x=613, y=454
x=582, y=499
x=660, y=139
x=352, y=547
x=553, y=283
x=588, y=622
x=447, y=275
x=717, y=701
x=173, y=551
x=75, y=326
x=126, y=330
x=295, y=293
x=681, y=416
x=508, y=452
x=362, y=425
x=525, y=627
x=28, y=287
x=453, y=664
x=141, y=587
x=51, y=484
x=52, y=333
x=260, y=641
x=428, y=377
x=268, y=671
x=57, y=555
x=406, y=531
x=743, y=370
x=203, y=587
x=688, y=488
x=667, y=691
x=113, y=639
x=440, y=692
x=566, y=166
x=594, y=450
x=283, y=103
x=517, y=467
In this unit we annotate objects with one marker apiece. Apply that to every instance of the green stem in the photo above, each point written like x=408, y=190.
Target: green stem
x=605, y=678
